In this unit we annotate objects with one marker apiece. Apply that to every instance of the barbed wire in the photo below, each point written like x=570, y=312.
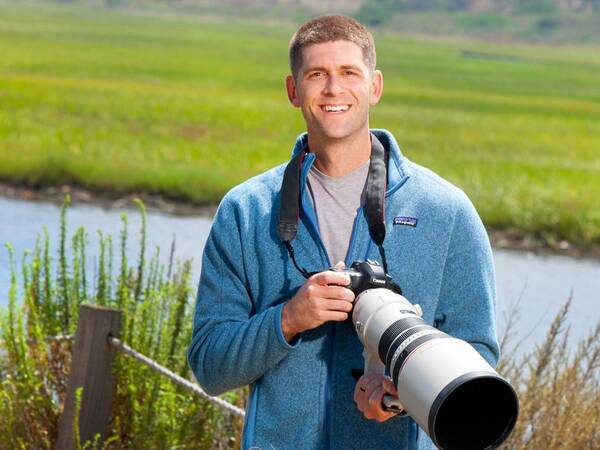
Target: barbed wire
x=155, y=366
x=57, y=338
x=174, y=377
x=60, y=338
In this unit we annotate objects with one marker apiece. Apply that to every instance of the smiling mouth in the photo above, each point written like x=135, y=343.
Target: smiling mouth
x=335, y=108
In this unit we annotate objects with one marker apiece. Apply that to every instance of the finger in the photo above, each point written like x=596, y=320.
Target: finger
x=316, y=292
x=361, y=400
x=338, y=293
x=373, y=384
x=369, y=400
x=375, y=406
x=367, y=379
x=374, y=409
x=375, y=399
x=390, y=387
x=336, y=305
x=334, y=316
x=332, y=292
x=359, y=393
x=360, y=388
x=330, y=277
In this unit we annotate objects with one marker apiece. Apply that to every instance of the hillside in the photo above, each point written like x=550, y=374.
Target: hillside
x=541, y=21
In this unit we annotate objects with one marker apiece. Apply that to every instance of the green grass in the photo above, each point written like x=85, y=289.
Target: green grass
x=560, y=26
x=189, y=106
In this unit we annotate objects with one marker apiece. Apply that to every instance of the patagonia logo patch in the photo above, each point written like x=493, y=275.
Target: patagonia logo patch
x=404, y=220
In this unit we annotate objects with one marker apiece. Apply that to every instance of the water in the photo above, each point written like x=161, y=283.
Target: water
x=536, y=285
x=22, y=222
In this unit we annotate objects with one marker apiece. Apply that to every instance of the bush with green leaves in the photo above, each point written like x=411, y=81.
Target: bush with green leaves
x=148, y=410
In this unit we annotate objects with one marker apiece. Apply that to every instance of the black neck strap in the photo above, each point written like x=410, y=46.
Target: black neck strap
x=289, y=209
x=375, y=191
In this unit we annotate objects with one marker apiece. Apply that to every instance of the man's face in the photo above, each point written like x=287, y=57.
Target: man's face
x=334, y=89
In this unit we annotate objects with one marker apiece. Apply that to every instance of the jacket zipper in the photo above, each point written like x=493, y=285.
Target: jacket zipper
x=306, y=203
x=327, y=421
x=331, y=359
x=315, y=229
x=327, y=424
x=353, y=234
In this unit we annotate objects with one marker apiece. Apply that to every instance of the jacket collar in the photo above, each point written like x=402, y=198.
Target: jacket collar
x=398, y=170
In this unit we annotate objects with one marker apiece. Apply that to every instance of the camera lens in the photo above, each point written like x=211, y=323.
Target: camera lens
x=443, y=383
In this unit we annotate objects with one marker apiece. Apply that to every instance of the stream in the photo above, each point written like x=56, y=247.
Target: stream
x=535, y=285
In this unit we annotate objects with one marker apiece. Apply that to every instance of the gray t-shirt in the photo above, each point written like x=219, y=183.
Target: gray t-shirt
x=336, y=201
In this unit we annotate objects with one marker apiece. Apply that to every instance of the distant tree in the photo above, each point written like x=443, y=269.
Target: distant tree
x=590, y=5
x=457, y=5
x=418, y=5
x=376, y=12
x=536, y=6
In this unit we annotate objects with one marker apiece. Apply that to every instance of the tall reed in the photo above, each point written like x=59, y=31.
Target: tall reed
x=558, y=389
x=148, y=410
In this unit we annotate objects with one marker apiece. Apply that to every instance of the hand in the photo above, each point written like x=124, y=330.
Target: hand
x=320, y=299
x=368, y=395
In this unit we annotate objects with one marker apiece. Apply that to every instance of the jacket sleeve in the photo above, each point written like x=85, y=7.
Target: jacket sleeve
x=467, y=302
x=231, y=344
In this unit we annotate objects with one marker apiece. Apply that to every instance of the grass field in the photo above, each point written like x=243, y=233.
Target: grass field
x=188, y=107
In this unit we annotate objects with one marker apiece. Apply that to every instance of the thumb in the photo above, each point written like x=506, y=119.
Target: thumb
x=389, y=387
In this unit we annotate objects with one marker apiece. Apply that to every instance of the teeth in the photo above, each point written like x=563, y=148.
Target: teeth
x=336, y=108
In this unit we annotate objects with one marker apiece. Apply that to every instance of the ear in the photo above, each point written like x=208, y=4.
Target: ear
x=376, y=87
x=290, y=85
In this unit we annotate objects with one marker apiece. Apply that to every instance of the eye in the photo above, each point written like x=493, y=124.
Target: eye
x=350, y=72
x=315, y=74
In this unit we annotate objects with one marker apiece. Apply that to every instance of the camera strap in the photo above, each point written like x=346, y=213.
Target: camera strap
x=289, y=208
x=375, y=191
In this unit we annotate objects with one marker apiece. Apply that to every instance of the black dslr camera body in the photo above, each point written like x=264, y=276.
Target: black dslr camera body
x=368, y=275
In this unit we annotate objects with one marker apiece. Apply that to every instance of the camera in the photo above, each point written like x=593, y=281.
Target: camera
x=443, y=383
x=368, y=275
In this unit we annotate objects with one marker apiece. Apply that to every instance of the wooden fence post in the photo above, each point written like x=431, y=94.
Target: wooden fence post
x=91, y=369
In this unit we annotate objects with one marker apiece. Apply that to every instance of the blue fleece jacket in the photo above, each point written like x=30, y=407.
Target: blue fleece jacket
x=302, y=394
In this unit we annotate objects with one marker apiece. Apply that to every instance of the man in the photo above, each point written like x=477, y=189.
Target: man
x=260, y=322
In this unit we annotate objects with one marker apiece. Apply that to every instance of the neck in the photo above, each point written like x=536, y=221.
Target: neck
x=339, y=157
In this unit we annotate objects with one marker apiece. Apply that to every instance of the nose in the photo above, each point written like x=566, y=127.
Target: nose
x=333, y=86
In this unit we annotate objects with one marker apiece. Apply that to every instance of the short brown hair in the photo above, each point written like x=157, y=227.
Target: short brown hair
x=327, y=29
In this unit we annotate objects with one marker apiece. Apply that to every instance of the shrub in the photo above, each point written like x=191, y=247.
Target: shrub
x=148, y=410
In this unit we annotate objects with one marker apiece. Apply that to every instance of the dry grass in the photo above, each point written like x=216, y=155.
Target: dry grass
x=558, y=389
